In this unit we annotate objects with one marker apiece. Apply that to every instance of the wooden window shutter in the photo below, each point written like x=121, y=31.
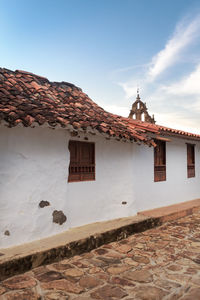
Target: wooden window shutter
x=190, y=160
x=82, y=161
x=160, y=161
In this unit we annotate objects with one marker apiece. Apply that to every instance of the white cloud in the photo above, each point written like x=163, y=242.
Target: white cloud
x=130, y=88
x=176, y=103
x=189, y=85
x=117, y=110
x=183, y=36
x=130, y=68
x=177, y=120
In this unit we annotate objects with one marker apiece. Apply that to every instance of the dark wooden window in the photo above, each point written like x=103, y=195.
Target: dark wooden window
x=160, y=161
x=82, y=161
x=190, y=160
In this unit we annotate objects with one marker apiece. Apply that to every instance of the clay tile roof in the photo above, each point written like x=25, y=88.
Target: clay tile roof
x=29, y=99
x=163, y=130
x=177, y=132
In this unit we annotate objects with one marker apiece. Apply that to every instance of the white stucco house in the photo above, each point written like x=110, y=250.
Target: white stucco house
x=65, y=162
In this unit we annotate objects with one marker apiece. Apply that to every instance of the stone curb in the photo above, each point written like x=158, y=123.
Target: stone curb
x=167, y=216
x=22, y=264
x=180, y=214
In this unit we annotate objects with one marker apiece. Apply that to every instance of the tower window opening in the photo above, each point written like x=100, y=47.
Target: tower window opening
x=142, y=117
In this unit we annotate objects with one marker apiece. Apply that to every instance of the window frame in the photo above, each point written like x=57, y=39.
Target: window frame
x=190, y=157
x=160, y=161
x=78, y=171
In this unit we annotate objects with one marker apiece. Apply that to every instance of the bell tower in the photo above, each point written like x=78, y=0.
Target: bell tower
x=139, y=111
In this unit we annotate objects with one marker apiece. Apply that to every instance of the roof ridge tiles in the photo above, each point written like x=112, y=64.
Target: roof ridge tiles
x=68, y=84
x=31, y=74
x=177, y=131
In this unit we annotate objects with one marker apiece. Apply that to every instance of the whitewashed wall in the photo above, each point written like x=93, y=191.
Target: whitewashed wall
x=177, y=188
x=34, y=167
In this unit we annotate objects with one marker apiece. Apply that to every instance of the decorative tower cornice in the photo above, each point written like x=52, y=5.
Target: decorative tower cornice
x=139, y=111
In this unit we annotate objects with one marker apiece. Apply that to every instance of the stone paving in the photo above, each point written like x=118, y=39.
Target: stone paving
x=161, y=263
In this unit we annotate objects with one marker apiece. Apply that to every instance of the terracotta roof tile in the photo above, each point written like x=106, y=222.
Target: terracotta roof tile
x=159, y=129
x=170, y=131
x=29, y=99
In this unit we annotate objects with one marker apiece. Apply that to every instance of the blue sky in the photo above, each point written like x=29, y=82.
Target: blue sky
x=108, y=47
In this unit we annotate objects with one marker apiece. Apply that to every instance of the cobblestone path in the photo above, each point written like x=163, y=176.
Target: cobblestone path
x=161, y=263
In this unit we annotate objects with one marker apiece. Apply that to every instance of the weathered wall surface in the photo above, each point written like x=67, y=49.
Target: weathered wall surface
x=34, y=168
x=177, y=187
x=34, y=190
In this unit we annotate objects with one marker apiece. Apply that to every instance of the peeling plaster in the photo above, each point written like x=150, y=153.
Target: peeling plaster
x=43, y=203
x=59, y=217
